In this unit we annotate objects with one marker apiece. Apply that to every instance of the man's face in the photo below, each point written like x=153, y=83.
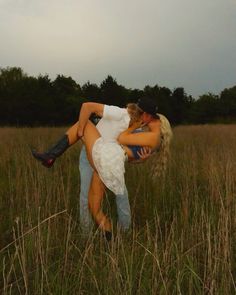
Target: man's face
x=146, y=118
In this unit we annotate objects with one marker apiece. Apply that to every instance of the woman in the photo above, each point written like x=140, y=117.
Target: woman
x=74, y=133
x=105, y=154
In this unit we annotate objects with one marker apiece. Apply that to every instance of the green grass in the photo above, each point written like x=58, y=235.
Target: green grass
x=183, y=231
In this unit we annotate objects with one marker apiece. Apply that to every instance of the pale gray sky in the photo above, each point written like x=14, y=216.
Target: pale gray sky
x=172, y=43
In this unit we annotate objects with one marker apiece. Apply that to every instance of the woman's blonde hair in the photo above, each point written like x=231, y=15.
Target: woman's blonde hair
x=162, y=154
x=135, y=113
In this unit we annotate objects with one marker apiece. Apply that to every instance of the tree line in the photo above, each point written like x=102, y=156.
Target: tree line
x=40, y=101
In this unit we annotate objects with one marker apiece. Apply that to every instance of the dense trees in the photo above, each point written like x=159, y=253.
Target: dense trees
x=30, y=101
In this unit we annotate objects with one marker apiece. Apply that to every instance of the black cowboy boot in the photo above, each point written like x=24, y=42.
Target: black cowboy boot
x=48, y=158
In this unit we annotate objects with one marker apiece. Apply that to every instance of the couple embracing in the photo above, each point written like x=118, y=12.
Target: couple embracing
x=119, y=136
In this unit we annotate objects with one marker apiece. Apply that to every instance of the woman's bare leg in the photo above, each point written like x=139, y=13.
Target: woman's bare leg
x=72, y=133
x=71, y=136
x=91, y=134
x=96, y=193
x=97, y=188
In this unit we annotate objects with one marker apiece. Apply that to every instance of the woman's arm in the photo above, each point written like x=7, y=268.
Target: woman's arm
x=150, y=139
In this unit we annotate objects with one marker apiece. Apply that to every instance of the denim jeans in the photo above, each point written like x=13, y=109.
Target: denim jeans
x=122, y=201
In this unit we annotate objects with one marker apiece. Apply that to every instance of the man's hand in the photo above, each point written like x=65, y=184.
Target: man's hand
x=144, y=153
x=80, y=132
x=87, y=109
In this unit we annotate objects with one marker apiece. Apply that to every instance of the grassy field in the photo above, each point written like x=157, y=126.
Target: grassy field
x=183, y=237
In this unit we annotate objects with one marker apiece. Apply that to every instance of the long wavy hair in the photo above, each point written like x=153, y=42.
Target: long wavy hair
x=135, y=113
x=161, y=156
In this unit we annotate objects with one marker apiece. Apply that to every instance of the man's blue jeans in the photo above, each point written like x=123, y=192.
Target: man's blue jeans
x=122, y=201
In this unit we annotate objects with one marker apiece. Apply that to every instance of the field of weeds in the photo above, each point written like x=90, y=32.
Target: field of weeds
x=183, y=236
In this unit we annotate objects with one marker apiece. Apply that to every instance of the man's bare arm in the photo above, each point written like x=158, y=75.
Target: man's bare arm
x=86, y=110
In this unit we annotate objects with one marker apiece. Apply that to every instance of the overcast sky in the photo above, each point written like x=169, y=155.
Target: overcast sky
x=172, y=43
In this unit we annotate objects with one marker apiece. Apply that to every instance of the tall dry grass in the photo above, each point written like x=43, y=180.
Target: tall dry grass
x=182, y=239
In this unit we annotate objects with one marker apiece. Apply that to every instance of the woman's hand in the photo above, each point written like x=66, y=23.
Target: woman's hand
x=145, y=153
x=136, y=125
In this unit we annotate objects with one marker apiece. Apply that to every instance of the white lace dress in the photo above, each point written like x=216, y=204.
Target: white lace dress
x=108, y=156
x=109, y=161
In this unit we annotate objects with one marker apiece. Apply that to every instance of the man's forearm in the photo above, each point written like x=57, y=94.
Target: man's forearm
x=84, y=115
x=86, y=110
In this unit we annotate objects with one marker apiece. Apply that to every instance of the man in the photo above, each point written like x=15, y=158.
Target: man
x=48, y=158
x=86, y=171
